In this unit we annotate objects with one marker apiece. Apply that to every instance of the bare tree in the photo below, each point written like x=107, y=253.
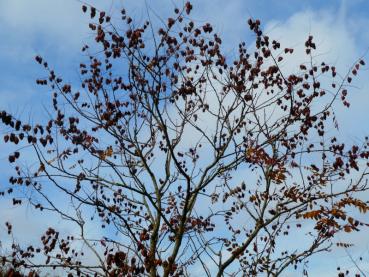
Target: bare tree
x=189, y=161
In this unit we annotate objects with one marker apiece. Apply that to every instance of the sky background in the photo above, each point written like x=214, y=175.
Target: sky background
x=57, y=30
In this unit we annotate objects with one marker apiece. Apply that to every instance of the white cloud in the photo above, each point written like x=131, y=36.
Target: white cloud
x=338, y=45
x=56, y=24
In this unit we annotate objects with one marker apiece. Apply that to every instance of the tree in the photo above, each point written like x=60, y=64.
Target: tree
x=186, y=159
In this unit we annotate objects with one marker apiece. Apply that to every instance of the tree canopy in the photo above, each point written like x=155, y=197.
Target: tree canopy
x=187, y=160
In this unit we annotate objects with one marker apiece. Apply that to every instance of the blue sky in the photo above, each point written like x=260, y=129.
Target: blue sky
x=57, y=29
